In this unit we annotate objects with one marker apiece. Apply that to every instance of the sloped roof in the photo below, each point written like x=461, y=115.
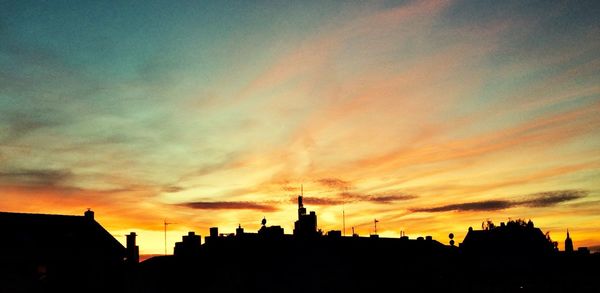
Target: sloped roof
x=43, y=236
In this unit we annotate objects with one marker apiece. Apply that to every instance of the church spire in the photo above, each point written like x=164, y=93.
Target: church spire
x=568, y=243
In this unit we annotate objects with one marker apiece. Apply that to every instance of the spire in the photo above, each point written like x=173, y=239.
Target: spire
x=568, y=243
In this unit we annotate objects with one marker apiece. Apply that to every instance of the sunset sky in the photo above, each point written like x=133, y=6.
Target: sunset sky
x=430, y=116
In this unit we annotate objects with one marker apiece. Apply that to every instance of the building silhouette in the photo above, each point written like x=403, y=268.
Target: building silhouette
x=515, y=237
x=306, y=225
x=189, y=245
x=56, y=253
x=568, y=243
x=514, y=256
x=59, y=253
x=269, y=260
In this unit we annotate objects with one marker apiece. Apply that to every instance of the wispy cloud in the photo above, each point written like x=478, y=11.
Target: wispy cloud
x=347, y=198
x=290, y=188
x=486, y=205
x=172, y=188
x=389, y=198
x=541, y=199
x=230, y=205
x=335, y=183
x=35, y=177
x=550, y=198
x=320, y=201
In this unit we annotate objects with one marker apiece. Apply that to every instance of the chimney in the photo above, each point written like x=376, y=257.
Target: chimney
x=239, y=231
x=89, y=214
x=133, y=252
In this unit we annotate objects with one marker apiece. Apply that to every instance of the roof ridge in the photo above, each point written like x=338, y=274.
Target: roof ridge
x=38, y=214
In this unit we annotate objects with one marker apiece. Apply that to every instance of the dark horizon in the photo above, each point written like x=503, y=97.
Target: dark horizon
x=60, y=253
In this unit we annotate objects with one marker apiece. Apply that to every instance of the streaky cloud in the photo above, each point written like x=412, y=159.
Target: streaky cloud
x=35, y=177
x=540, y=199
x=346, y=198
x=390, y=198
x=486, y=205
x=172, y=188
x=550, y=198
x=230, y=205
x=320, y=201
x=377, y=198
x=335, y=183
x=289, y=188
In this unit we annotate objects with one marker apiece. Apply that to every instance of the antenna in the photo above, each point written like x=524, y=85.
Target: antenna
x=344, y=214
x=344, y=220
x=166, y=224
x=375, y=222
x=301, y=190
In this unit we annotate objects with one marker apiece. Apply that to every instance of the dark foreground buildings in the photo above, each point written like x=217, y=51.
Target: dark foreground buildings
x=52, y=253
x=58, y=253
x=513, y=257
x=306, y=261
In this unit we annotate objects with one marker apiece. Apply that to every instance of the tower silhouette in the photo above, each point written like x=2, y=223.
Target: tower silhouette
x=568, y=243
x=306, y=225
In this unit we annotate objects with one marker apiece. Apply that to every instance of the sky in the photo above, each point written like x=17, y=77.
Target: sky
x=429, y=116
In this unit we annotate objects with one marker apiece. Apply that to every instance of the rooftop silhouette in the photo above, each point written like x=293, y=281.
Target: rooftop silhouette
x=56, y=253
x=512, y=256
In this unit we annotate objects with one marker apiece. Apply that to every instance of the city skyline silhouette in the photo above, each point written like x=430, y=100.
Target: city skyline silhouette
x=59, y=253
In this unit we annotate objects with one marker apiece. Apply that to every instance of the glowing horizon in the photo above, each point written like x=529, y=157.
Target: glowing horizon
x=430, y=116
